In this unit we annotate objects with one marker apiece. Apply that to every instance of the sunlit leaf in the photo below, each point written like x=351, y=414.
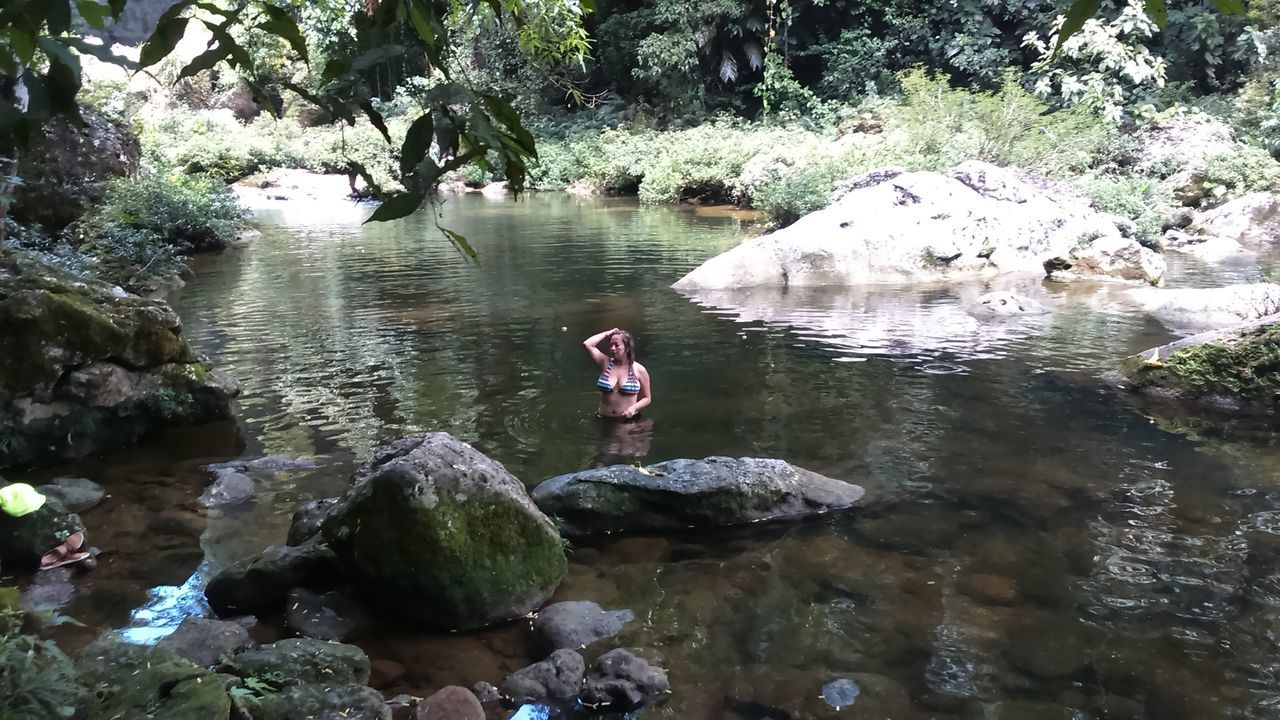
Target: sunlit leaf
x=204, y=61
x=375, y=117
x=1230, y=7
x=280, y=24
x=162, y=41
x=93, y=13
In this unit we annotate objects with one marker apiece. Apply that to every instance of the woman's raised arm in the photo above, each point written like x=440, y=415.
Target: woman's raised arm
x=591, y=343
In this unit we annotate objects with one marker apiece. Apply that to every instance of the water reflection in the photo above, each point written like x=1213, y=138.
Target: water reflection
x=624, y=443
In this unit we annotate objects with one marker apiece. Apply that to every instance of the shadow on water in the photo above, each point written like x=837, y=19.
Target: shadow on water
x=1031, y=546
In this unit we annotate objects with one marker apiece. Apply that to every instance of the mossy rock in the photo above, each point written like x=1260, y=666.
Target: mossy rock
x=1233, y=370
x=23, y=540
x=88, y=368
x=348, y=702
x=138, y=681
x=445, y=536
x=302, y=661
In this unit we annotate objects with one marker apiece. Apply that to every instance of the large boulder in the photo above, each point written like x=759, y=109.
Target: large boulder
x=1209, y=308
x=322, y=702
x=679, y=494
x=445, y=535
x=68, y=169
x=1182, y=143
x=1235, y=370
x=87, y=367
x=922, y=226
x=260, y=583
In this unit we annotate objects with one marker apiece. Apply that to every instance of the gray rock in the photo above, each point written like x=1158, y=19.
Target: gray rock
x=328, y=701
x=207, y=642
x=622, y=680
x=577, y=624
x=678, y=494
x=558, y=679
x=445, y=536
x=260, y=583
x=922, y=226
x=325, y=616
x=77, y=494
x=307, y=520
x=49, y=590
x=486, y=692
x=450, y=702
x=1252, y=221
x=279, y=462
x=303, y=660
x=840, y=693
x=229, y=488
x=1004, y=304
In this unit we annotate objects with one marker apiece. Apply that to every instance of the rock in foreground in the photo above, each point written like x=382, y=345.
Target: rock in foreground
x=922, y=226
x=1209, y=308
x=678, y=494
x=445, y=536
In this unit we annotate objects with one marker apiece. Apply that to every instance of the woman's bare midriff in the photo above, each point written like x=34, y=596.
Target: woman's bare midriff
x=614, y=404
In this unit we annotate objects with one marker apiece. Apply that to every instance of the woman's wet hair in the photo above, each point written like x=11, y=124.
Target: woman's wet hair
x=628, y=343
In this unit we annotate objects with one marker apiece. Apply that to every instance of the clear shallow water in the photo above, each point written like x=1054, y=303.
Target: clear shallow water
x=1029, y=539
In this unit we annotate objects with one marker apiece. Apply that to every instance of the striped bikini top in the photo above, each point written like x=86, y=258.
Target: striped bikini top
x=630, y=386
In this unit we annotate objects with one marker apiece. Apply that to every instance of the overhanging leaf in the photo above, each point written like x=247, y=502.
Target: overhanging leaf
x=1081, y=10
x=397, y=206
x=280, y=24
x=336, y=68
x=93, y=13
x=162, y=41
x=58, y=16
x=375, y=117
x=102, y=52
x=417, y=142
x=204, y=61
x=461, y=243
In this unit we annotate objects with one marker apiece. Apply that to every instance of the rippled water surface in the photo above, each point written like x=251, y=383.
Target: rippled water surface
x=1032, y=546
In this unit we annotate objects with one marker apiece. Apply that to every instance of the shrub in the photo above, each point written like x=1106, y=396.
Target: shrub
x=36, y=679
x=145, y=225
x=1146, y=202
x=1244, y=170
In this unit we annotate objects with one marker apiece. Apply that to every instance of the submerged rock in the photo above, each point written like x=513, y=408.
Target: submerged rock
x=1005, y=304
x=76, y=494
x=228, y=488
x=206, y=642
x=304, y=660
x=445, y=535
x=678, y=494
x=86, y=369
x=308, y=519
x=451, y=702
x=324, y=616
x=923, y=226
x=1232, y=370
x=558, y=679
x=577, y=624
x=322, y=702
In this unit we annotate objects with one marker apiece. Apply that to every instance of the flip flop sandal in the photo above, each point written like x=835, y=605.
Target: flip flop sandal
x=74, y=542
x=61, y=554
x=74, y=557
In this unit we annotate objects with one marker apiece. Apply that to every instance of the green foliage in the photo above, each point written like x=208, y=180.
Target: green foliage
x=145, y=225
x=1244, y=170
x=1145, y=202
x=36, y=679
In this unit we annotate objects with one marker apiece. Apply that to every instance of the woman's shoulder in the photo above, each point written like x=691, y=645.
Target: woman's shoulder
x=640, y=368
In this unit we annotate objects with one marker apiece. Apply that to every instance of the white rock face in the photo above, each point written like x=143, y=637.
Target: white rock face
x=1252, y=221
x=1209, y=308
x=923, y=226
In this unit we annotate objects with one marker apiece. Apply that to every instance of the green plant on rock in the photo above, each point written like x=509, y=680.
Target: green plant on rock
x=37, y=680
x=1144, y=201
x=1243, y=170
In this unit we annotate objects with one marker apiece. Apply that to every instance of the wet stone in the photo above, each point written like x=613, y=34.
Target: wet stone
x=621, y=679
x=325, y=616
x=307, y=520
x=916, y=532
x=577, y=624
x=384, y=672
x=486, y=692
x=840, y=693
x=451, y=702
x=1019, y=710
x=77, y=494
x=50, y=590
x=207, y=642
x=556, y=679
x=230, y=488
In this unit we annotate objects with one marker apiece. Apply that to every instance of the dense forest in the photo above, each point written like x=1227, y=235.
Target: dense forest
x=771, y=104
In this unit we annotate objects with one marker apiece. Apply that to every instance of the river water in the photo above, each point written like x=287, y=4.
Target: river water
x=1032, y=545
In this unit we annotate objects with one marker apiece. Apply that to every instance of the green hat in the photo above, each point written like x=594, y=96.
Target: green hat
x=20, y=499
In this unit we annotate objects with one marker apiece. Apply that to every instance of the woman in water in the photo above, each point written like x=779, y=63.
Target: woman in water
x=623, y=382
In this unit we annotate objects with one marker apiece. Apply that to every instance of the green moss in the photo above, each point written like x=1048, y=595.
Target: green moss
x=1245, y=368
x=455, y=562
